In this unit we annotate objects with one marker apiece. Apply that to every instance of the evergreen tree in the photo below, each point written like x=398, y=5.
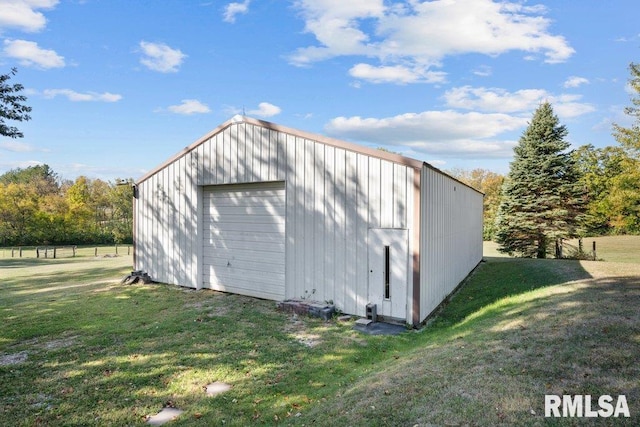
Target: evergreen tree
x=542, y=200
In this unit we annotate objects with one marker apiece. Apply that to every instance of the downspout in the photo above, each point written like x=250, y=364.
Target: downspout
x=415, y=245
x=134, y=230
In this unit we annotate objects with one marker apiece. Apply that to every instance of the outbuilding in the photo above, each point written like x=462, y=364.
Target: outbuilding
x=264, y=210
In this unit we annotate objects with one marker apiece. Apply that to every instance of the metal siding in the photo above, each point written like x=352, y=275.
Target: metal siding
x=451, y=240
x=340, y=218
x=351, y=223
x=244, y=239
x=333, y=196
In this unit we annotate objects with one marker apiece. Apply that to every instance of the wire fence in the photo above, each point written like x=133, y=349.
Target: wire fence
x=67, y=251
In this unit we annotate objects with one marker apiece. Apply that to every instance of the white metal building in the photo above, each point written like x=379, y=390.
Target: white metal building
x=263, y=210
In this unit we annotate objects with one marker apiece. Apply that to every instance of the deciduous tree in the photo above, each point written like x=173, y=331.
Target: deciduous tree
x=625, y=192
x=490, y=184
x=12, y=105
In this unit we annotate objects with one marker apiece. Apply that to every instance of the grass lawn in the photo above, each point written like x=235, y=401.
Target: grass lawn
x=78, y=348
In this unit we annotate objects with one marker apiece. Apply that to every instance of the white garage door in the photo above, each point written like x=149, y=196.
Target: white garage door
x=244, y=239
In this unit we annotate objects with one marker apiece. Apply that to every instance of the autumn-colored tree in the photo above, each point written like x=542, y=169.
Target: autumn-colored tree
x=35, y=208
x=489, y=183
x=625, y=191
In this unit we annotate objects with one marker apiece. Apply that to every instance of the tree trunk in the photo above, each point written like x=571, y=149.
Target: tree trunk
x=542, y=247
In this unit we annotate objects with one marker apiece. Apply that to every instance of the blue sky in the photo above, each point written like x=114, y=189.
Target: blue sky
x=119, y=86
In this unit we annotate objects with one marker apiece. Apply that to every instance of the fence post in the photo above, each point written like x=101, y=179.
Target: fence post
x=37, y=252
x=128, y=250
x=116, y=249
x=594, y=250
x=20, y=251
x=46, y=251
x=73, y=248
x=11, y=252
x=96, y=252
x=54, y=252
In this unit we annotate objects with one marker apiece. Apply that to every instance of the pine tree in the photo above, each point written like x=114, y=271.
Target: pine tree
x=542, y=200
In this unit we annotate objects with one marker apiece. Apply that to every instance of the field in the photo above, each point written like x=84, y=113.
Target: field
x=64, y=251
x=79, y=348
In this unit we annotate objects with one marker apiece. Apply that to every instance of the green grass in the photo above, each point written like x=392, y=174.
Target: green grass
x=608, y=248
x=101, y=353
x=612, y=248
x=66, y=251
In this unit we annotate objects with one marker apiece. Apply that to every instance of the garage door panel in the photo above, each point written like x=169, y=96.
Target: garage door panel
x=240, y=236
x=268, y=261
x=246, y=254
x=232, y=279
x=244, y=239
x=257, y=228
x=238, y=199
x=245, y=218
x=271, y=246
x=245, y=210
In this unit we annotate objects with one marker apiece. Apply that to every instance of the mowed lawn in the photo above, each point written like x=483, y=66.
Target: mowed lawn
x=79, y=348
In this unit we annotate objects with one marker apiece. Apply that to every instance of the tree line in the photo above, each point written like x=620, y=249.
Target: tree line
x=552, y=193
x=37, y=207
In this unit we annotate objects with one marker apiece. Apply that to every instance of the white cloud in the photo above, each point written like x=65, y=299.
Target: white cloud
x=233, y=9
x=82, y=97
x=265, y=109
x=522, y=101
x=160, y=57
x=189, y=106
x=434, y=132
x=568, y=106
x=19, y=164
x=483, y=71
x=335, y=25
x=396, y=74
x=24, y=15
x=30, y=54
x=494, y=99
x=418, y=35
x=16, y=146
x=575, y=81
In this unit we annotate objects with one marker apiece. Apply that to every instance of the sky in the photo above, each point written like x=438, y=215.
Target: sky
x=119, y=86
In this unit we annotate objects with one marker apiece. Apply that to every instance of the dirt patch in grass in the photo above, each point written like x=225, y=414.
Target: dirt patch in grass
x=13, y=359
x=298, y=329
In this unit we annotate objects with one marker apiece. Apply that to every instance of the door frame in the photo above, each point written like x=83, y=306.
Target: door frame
x=388, y=288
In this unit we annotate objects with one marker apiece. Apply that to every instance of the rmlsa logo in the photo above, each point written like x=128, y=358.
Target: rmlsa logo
x=582, y=406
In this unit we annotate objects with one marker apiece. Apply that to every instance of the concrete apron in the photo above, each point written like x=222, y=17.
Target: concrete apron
x=366, y=326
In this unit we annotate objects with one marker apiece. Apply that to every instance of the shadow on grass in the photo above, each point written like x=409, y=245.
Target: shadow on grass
x=496, y=366
x=499, y=277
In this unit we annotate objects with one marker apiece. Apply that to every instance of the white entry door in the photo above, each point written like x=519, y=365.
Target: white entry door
x=388, y=271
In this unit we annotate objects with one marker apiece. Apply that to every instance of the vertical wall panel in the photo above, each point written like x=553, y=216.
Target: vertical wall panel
x=340, y=223
x=451, y=241
x=351, y=225
x=333, y=196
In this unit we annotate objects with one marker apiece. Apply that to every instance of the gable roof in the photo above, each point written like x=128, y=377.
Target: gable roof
x=349, y=146
x=396, y=158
